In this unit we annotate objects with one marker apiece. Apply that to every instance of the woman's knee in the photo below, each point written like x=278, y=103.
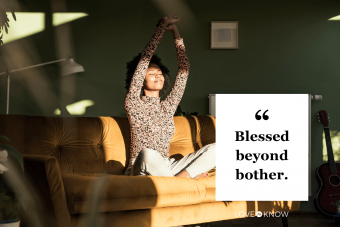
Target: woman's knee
x=147, y=154
x=211, y=147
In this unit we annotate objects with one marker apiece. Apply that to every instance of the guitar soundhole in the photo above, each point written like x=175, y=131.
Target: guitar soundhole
x=334, y=180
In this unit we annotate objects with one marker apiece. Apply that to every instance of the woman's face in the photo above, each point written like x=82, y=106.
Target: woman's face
x=154, y=79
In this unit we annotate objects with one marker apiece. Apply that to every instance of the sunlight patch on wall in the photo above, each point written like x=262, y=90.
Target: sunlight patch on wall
x=25, y=25
x=335, y=18
x=335, y=138
x=77, y=108
x=31, y=23
x=62, y=18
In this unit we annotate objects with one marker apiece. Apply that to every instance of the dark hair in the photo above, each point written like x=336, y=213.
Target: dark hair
x=132, y=65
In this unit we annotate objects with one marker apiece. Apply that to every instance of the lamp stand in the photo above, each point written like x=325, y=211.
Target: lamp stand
x=70, y=68
x=9, y=72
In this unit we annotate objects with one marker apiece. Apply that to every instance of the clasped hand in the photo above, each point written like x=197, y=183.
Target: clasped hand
x=168, y=22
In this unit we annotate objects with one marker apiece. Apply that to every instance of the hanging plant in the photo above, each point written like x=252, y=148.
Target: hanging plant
x=5, y=6
x=9, y=194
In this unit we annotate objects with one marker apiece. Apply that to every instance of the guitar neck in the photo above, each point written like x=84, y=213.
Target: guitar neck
x=332, y=167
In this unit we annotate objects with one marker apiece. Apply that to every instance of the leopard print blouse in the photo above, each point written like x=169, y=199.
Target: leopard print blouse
x=151, y=120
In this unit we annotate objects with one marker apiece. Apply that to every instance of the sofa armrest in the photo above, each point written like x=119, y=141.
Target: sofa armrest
x=44, y=174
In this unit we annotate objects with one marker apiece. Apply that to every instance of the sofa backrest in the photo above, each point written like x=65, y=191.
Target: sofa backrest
x=96, y=144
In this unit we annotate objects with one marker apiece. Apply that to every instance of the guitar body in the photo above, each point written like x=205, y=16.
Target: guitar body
x=328, y=176
x=329, y=189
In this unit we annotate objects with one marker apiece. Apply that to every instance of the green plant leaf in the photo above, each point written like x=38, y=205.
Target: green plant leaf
x=3, y=199
x=4, y=137
x=13, y=15
x=11, y=208
x=14, y=153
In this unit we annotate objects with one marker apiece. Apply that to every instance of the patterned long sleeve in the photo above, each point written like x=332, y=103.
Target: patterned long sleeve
x=151, y=121
x=173, y=99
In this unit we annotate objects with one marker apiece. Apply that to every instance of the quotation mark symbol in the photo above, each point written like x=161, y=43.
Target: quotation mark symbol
x=258, y=214
x=258, y=117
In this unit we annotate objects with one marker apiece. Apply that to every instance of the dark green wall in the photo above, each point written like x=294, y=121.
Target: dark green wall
x=284, y=47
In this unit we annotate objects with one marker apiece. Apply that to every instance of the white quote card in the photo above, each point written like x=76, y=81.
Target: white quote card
x=252, y=131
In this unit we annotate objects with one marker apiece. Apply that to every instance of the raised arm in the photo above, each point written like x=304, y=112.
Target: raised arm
x=133, y=96
x=172, y=100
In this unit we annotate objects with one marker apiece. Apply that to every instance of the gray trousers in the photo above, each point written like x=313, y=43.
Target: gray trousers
x=150, y=162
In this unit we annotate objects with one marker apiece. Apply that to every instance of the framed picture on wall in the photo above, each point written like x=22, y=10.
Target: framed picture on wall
x=224, y=35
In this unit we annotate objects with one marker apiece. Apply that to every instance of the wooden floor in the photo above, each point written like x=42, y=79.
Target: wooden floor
x=295, y=219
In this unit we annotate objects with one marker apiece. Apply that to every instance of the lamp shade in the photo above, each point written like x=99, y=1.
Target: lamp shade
x=72, y=67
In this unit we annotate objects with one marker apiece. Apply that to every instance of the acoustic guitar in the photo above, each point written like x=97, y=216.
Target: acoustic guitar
x=327, y=175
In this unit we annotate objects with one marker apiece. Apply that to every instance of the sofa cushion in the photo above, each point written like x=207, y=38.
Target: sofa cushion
x=210, y=188
x=80, y=144
x=192, y=133
x=96, y=144
x=197, y=213
x=134, y=192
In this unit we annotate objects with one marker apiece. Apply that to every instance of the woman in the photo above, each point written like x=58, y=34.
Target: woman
x=151, y=121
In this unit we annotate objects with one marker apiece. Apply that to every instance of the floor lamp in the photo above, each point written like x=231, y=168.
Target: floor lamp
x=70, y=68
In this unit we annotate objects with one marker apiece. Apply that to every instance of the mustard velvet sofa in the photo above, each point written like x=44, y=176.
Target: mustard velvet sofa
x=64, y=156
